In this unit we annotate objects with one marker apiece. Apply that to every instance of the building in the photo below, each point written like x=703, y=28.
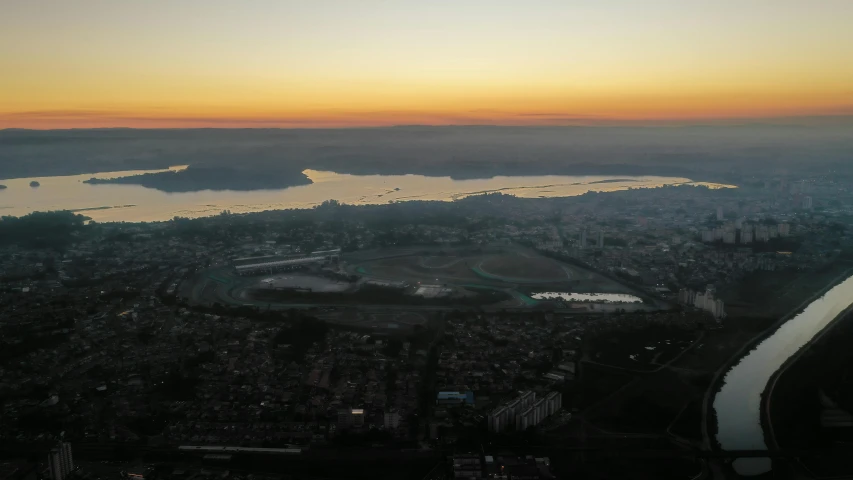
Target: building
x=703, y=301
x=720, y=214
x=553, y=403
x=540, y=411
x=527, y=398
x=762, y=233
x=686, y=296
x=729, y=237
x=807, y=203
x=526, y=419
x=601, y=239
x=718, y=310
x=271, y=265
x=467, y=465
x=60, y=462
x=583, y=238
x=455, y=398
x=784, y=229
x=392, y=420
x=506, y=416
x=499, y=419
x=513, y=409
x=350, y=417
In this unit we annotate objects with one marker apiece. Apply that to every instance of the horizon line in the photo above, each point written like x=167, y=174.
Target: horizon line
x=598, y=123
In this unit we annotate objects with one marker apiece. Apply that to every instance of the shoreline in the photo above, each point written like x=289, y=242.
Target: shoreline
x=767, y=394
x=711, y=444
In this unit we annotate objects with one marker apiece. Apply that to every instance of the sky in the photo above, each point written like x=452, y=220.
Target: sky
x=352, y=63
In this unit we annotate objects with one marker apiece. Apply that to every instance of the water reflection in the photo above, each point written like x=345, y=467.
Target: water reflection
x=589, y=297
x=738, y=403
x=137, y=203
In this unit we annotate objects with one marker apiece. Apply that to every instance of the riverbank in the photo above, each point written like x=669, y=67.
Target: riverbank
x=792, y=406
x=754, y=440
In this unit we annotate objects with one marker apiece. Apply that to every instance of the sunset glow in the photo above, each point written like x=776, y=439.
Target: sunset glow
x=326, y=63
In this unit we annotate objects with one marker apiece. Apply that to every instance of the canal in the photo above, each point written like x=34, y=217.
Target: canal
x=737, y=405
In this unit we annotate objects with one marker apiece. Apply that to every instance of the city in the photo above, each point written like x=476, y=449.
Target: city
x=426, y=240
x=106, y=348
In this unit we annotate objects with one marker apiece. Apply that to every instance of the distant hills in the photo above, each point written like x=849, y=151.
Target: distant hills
x=261, y=158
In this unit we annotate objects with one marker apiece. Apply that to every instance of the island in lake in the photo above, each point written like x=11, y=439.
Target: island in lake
x=195, y=178
x=34, y=183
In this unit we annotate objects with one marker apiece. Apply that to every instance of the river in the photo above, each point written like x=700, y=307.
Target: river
x=134, y=203
x=738, y=403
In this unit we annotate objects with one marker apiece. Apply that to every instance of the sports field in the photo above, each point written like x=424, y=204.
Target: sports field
x=504, y=267
x=453, y=274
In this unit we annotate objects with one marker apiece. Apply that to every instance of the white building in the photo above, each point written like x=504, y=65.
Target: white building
x=703, y=301
x=507, y=415
x=762, y=233
x=392, y=420
x=538, y=411
x=499, y=420
x=60, y=462
x=526, y=419
x=553, y=402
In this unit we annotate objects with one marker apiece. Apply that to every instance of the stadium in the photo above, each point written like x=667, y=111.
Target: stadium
x=416, y=277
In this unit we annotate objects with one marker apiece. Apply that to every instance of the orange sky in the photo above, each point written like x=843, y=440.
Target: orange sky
x=259, y=63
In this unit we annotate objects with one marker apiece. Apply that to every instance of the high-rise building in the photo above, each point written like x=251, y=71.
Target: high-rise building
x=526, y=419
x=527, y=399
x=784, y=229
x=539, y=411
x=60, y=462
x=704, y=301
x=601, y=239
x=807, y=203
x=392, y=420
x=583, y=238
x=719, y=310
x=729, y=237
x=553, y=402
x=762, y=233
x=350, y=417
x=720, y=214
x=513, y=409
x=507, y=415
x=499, y=420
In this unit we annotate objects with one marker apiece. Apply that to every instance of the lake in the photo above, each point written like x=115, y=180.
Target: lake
x=738, y=403
x=590, y=297
x=135, y=203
